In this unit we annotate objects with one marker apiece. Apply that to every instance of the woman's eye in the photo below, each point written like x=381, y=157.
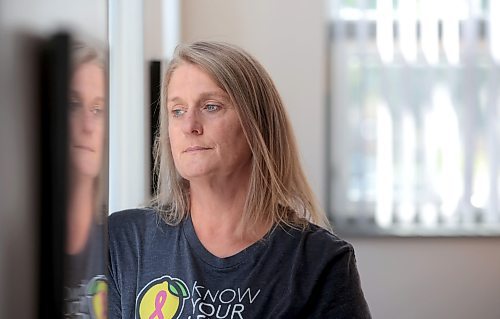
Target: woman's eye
x=74, y=103
x=96, y=110
x=177, y=112
x=212, y=107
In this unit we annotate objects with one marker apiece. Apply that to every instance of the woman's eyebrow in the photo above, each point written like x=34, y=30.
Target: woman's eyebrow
x=174, y=99
x=99, y=100
x=203, y=96
x=214, y=94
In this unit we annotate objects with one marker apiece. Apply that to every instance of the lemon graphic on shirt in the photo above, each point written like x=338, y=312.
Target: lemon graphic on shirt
x=162, y=298
x=97, y=290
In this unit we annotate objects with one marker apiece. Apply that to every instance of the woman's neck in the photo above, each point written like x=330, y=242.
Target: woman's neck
x=80, y=214
x=217, y=213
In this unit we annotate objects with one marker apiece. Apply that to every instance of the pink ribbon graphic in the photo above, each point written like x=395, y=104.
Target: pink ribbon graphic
x=160, y=299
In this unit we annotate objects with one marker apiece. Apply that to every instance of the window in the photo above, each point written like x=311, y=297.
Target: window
x=414, y=117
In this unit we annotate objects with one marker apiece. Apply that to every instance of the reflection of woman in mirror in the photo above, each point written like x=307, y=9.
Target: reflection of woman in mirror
x=85, y=254
x=87, y=127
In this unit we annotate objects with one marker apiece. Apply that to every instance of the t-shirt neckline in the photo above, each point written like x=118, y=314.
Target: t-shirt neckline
x=246, y=255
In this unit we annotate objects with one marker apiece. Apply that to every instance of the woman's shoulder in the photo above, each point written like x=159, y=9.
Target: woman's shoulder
x=137, y=227
x=318, y=242
x=330, y=275
x=138, y=220
x=319, y=234
x=132, y=213
x=129, y=217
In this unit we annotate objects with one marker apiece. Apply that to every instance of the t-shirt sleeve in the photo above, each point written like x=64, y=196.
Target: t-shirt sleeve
x=126, y=231
x=114, y=308
x=114, y=299
x=338, y=292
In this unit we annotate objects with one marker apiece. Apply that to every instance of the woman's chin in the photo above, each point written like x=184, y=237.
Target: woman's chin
x=85, y=171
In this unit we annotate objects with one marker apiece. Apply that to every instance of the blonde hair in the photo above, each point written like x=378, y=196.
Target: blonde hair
x=278, y=190
x=84, y=52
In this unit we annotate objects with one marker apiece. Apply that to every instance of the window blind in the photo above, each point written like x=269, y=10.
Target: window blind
x=413, y=116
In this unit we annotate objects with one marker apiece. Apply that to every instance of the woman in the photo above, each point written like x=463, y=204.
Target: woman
x=235, y=231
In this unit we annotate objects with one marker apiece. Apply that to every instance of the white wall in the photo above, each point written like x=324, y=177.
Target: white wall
x=431, y=278
x=402, y=278
x=47, y=16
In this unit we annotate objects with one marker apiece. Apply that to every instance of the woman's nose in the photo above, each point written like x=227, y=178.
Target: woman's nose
x=89, y=121
x=192, y=123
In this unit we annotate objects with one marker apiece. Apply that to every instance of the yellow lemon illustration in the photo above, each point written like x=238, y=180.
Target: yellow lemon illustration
x=97, y=297
x=162, y=298
x=100, y=300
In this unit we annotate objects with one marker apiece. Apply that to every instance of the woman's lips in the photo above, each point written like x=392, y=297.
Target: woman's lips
x=86, y=148
x=196, y=148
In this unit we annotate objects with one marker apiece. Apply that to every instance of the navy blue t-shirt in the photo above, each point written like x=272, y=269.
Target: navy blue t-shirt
x=159, y=271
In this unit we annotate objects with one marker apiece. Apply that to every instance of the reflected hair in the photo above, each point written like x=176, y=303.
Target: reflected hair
x=278, y=189
x=87, y=52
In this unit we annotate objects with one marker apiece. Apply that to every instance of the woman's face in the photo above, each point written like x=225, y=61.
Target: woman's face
x=87, y=119
x=206, y=137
